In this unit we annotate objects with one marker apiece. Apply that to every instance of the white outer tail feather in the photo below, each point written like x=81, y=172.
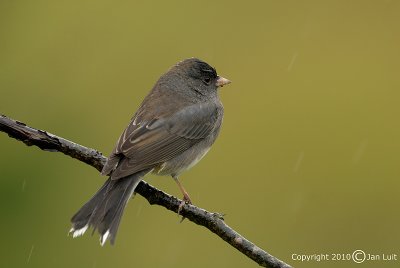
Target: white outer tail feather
x=79, y=232
x=104, y=237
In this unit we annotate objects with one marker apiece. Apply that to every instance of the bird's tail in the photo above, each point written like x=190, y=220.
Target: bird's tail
x=104, y=210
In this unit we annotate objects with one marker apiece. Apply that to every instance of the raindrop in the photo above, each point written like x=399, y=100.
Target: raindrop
x=139, y=210
x=290, y=66
x=360, y=151
x=23, y=185
x=30, y=254
x=298, y=162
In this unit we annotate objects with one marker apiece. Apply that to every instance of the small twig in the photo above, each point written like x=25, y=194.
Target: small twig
x=212, y=221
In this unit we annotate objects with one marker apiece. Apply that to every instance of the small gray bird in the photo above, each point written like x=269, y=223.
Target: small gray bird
x=174, y=127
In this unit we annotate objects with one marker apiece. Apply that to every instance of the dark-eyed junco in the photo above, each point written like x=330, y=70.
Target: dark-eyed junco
x=174, y=127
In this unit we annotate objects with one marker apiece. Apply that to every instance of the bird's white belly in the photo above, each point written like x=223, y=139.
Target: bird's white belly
x=197, y=159
x=181, y=163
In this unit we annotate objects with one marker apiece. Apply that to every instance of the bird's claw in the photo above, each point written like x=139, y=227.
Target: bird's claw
x=186, y=200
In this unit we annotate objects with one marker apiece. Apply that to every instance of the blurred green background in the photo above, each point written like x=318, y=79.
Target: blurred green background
x=308, y=159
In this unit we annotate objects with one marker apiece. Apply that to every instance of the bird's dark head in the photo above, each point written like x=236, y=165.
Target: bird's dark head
x=200, y=75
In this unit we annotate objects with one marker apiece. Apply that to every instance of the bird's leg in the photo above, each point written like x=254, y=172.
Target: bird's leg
x=186, y=197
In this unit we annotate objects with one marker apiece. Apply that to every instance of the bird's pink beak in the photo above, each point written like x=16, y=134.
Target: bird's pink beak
x=222, y=81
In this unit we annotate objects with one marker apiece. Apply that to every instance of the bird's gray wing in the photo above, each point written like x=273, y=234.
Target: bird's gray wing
x=148, y=143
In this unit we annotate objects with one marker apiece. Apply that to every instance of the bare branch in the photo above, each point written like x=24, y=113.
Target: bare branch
x=212, y=221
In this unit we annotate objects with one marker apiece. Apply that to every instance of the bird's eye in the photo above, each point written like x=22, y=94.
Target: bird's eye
x=207, y=80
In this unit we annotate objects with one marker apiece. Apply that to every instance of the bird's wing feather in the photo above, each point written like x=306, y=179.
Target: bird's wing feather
x=148, y=143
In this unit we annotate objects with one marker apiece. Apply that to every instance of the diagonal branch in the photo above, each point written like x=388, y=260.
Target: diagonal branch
x=212, y=221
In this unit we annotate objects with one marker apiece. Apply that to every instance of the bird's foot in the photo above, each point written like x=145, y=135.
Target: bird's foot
x=186, y=200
